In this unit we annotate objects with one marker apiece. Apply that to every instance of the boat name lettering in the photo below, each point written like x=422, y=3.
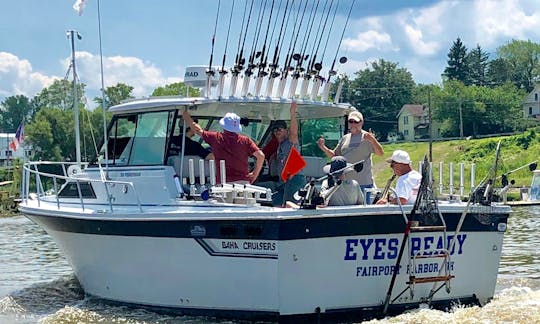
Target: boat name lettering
x=246, y=245
x=387, y=248
x=388, y=270
x=130, y=174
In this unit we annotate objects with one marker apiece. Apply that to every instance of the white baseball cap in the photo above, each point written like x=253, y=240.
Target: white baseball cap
x=400, y=156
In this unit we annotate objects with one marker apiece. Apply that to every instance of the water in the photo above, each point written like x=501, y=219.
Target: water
x=38, y=286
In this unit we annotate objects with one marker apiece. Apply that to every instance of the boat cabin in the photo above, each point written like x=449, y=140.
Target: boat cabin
x=148, y=132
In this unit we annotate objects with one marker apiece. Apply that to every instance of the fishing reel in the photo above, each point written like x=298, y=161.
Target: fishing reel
x=309, y=197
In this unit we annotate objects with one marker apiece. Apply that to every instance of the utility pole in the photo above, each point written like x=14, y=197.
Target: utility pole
x=430, y=128
x=460, y=119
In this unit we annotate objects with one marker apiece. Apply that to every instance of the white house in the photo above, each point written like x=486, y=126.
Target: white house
x=413, y=123
x=531, y=104
x=7, y=154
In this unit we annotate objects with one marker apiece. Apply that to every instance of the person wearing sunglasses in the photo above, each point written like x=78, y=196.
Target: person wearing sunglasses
x=356, y=146
x=408, y=181
x=287, y=138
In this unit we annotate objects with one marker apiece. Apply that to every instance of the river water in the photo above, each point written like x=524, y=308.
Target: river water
x=37, y=284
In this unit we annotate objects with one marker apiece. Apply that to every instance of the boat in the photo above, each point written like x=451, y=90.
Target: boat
x=135, y=235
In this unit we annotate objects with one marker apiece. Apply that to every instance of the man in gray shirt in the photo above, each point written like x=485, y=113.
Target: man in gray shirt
x=343, y=191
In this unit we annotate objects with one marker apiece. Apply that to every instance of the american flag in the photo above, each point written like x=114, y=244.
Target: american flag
x=19, y=136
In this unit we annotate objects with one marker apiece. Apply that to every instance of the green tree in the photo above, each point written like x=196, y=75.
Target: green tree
x=59, y=95
x=499, y=72
x=477, y=61
x=115, y=95
x=14, y=110
x=379, y=92
x=477, y=110
x=524, y=60
x=176, y=89
x=457, y=68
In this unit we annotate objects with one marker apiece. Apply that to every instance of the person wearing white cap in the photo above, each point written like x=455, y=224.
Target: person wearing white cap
x=232, y=147
x=337, y=190
x=356, y=146
x=408, y=181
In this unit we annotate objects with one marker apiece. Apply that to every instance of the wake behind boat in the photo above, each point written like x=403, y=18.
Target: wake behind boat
x=144, y=224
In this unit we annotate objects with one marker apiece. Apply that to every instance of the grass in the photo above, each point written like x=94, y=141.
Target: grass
x=516, y=151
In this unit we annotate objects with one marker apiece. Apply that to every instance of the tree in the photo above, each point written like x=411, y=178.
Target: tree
x=15, y=109
x=499, y=72
x=379, y=92
x=477, y=110
x=457, y=68
x=115, y=95
x=176, y=89
x=477, y=61
x=59, y=95
x=524, y=60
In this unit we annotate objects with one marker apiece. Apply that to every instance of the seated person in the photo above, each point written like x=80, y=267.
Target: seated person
x=408, y=181
x=192, y=147
x=337, y=190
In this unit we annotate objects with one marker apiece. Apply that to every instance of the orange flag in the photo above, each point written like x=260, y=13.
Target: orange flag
x=295, y=163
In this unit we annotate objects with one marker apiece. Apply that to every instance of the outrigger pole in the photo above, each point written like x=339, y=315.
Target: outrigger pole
x=210, y=73
x=72, y=34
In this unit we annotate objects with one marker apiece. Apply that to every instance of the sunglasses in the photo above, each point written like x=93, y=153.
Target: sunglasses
x=351, y=121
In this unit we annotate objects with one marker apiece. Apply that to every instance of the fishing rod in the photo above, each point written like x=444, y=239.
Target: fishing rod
x=239, y=62
x=292, y=44
x=299, y=57
x=223, y=72
x=384, y=193
x=303, y=56
x=274, y=65
x=318, y=77
x=305, y=195
x=254, y=54
x=342, y=60
x=315, y=68
x=209, y=72
x=262, y=64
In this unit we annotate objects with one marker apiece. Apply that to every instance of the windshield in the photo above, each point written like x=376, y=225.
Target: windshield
x=138, y=139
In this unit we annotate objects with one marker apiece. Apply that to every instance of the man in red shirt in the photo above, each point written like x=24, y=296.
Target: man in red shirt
x=232, y=147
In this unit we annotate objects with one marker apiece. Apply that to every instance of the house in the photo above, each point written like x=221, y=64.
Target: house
x=6, y=152
x=531, y=104
x=413, y=123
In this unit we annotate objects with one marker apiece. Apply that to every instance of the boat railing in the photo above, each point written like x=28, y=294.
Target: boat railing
x=69, y=170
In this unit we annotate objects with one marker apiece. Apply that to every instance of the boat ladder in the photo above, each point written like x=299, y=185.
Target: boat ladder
x=425, y=217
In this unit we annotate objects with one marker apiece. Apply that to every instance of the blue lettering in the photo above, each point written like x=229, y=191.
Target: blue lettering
x=349, y=249
x=428, y=240
x=365, y=245
x=393, y=244
x=379, y=243
x=461, y=240
x=416, y=244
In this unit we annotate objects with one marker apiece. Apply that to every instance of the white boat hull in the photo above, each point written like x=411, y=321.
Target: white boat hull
x=318, y=264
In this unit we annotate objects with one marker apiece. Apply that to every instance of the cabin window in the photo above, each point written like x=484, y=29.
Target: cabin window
x=70, y=190
x=312, y=129
x=536, y=97
x=139, y=139
x=405, y=120
x=530, y=111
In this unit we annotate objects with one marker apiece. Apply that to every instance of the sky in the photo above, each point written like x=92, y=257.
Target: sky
x=147, y=44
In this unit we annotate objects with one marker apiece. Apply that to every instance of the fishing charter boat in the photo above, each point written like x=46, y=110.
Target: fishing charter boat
x=146, y=225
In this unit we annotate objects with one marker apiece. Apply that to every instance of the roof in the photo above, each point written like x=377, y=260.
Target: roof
x=413, y=110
